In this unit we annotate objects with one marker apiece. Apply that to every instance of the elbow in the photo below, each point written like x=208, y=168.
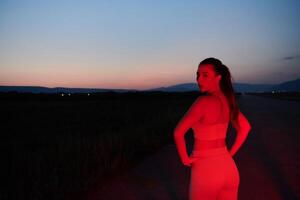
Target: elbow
x=245, y=130
x=249, y=127
x=180, y=131
x=177, y=134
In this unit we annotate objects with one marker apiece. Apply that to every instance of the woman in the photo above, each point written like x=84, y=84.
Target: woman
x=214, y=174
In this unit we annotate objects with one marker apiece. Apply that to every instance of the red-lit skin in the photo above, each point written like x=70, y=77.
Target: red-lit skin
x=207, y=106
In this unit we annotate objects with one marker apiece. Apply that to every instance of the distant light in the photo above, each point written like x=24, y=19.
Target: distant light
x=88, y=94
x=69, y=94
x=273, y=91
x=62, y=95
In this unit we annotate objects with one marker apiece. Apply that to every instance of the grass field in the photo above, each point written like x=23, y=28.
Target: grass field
x=56, y=147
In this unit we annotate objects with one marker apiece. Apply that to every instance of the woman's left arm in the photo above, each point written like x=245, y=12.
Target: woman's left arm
x=195, y=112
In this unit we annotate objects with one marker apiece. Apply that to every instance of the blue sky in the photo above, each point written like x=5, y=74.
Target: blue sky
x=145, y=44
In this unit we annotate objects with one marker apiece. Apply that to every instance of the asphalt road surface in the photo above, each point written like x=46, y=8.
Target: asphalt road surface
x=268, y=162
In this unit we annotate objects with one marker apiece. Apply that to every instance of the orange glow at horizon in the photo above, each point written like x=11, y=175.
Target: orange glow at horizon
x=91, y=79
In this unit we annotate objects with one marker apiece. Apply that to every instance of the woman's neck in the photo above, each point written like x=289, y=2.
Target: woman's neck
x=218, y=93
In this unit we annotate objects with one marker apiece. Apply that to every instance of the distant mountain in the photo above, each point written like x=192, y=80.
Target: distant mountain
x=288, y=86
x=293, y=85
x=178, y=88
x=244, y=87
x=238, y=87
x=37, y=89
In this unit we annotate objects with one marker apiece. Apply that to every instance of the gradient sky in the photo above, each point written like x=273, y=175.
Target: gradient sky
x=145, y=44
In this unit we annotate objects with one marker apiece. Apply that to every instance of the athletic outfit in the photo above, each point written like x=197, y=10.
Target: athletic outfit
x=214, y=175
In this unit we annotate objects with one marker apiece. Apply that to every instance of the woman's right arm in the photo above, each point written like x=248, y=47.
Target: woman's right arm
x=242, y=128
x=195, y=112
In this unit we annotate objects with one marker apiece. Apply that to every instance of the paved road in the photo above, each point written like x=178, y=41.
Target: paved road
x=268, y=161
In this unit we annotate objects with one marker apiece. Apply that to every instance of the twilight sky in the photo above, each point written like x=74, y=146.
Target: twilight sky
x=144, y=44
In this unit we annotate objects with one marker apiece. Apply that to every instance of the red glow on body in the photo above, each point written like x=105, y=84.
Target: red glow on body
x=213, y=170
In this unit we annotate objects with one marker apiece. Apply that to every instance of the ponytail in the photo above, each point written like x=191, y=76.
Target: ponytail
x=225, y=86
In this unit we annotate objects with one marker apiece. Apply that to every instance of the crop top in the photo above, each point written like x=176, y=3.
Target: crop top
x=211, y=132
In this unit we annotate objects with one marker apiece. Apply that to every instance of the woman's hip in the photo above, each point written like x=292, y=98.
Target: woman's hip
x=210, y=152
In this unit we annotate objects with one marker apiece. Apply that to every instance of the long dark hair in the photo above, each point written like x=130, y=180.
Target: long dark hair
x=225, y=85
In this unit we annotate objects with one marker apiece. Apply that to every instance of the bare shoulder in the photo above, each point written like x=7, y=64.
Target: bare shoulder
x=203, y=100
x=200, y=103
x=209, y=100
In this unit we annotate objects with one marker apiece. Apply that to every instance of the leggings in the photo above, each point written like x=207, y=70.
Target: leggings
x=214, y=175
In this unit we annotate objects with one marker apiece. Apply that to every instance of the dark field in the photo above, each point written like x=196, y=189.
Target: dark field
x=267, y=162
x=291, y=96
x=55, y=147
x=59, y=147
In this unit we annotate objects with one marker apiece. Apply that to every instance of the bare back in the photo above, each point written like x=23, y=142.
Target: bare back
x=210, y=130
x=216, y=112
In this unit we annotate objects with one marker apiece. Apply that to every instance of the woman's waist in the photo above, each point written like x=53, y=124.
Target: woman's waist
x=200, y=153
x=209, y=144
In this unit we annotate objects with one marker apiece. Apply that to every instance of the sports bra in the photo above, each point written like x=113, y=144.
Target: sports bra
x=211, y=131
